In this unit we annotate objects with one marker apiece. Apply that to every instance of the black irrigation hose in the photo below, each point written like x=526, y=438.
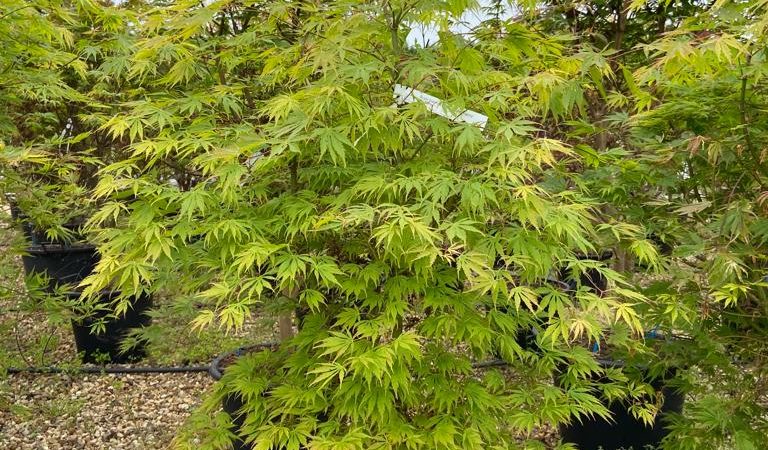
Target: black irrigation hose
x=170, y=369
x=490, y=363
x=112, y=369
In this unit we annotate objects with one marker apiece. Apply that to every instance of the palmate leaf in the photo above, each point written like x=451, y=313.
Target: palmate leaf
x=333, y=143
x=328, y=372
x=461, y=229
x=325, y=271
x=255, y=255
x=473, y=264
x=194, y=202
x=313, y=299
x=468, y=139
x=233, y=316
x=352, y=440
x=338, y=344
x=694, y=208
x=476, y=197
x=524, y=296
x=625, y=313
x=730, y=293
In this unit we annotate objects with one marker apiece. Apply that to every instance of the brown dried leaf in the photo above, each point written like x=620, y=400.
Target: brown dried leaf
x=694, y=144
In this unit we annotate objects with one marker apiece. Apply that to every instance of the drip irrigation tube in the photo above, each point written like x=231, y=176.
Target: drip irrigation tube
x=108, y=369
x=167, y=369
x=490, y=363
x=171, y=369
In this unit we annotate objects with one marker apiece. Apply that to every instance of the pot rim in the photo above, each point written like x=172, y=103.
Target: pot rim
x=602, y=255
x=216, y=371
x=52, y=249
x=109, y=292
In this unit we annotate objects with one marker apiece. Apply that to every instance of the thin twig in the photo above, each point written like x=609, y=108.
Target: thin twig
x=18, y=344
x=45, y=348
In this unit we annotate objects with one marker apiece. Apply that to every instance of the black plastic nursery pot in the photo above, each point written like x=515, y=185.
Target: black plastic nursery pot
x=591, y=278
x=624, y=431
x=105, y=346
x=37, y=237
x=231, y=404
x=27, y=228
x=61, y=264
x=526, y=337
x=665, y=246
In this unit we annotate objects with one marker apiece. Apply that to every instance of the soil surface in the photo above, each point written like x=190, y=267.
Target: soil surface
x=140, y=411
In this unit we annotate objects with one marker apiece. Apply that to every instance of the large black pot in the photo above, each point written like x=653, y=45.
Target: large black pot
x=33, y=236
x=36, y=236
x=61, y=264
x=624, y=431
x=232, y=404
x=98, y=347
x=591, y=278
x=526, y=337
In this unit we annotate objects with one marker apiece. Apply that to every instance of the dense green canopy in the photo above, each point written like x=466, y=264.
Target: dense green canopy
x=252, y=156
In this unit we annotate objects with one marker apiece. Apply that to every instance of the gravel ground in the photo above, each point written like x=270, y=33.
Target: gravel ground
x=92, y=412
x=81, y=411
x=84, y=411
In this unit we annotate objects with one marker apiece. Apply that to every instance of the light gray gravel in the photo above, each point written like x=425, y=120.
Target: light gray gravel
x=91, y=412
x=78, y=412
